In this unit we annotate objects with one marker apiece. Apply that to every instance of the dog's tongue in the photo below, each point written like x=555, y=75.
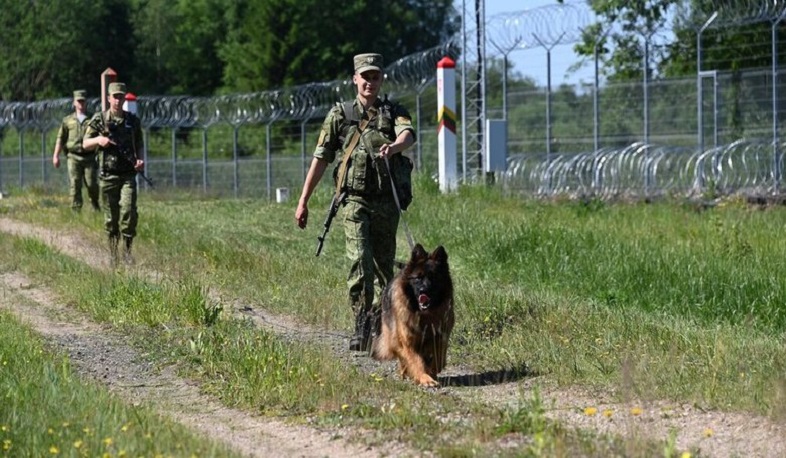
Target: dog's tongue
x=423, y=299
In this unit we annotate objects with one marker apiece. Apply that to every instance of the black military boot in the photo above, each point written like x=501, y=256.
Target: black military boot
x=366, y=329
x=127, y=258
x=113, y=256
x=360, y=340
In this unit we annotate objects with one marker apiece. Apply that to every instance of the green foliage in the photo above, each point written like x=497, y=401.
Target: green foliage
x=178, y=45
x=48, y=410
x=281, y=43
x=644, y=301
x=623, y=27
x=202, y=47
x=51, y=48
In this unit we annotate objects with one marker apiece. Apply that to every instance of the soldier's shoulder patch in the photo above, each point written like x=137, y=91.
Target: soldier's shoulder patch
x=403, y=120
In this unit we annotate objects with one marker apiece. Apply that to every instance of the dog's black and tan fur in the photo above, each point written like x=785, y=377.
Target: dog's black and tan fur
x=418, y=317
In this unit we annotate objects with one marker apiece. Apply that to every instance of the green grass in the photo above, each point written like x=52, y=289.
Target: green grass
x=653, y=301
x=46, y=410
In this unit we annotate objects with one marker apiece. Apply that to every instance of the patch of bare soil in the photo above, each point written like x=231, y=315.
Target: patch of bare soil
x=713, y=433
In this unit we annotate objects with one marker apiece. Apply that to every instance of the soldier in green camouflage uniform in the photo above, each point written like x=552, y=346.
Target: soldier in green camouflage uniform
x=82, y=165
x=370, y=213
x=117, y=135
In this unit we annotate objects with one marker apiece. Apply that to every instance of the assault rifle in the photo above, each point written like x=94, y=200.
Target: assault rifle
x=123, y=148
x=334, y=205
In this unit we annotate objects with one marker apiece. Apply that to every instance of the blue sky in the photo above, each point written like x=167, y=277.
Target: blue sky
x=532, y=62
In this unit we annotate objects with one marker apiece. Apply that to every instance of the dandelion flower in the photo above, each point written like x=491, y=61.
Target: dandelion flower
x=607, y=413
x=708, y=432
x=344, y=406
x=54, y=450
x=636, y=411
x=590, y=411
x=685, y=455
x=108, y=441
x=78, y=444
x=7, y=444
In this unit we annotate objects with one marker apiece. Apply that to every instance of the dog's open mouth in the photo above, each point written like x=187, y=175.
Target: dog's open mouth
x=423, y=301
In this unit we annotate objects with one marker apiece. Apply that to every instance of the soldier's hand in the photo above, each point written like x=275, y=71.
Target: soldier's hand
x=140, y=165
x=301, y=216
x=385, y=150
x=103, y=141
x=56, y=161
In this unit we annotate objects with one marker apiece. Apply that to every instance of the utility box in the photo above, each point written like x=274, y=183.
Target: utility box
x=496, y=159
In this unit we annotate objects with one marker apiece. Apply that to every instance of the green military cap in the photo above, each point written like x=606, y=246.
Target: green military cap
x=117, y=88
x=80, y=94
x=366, y=62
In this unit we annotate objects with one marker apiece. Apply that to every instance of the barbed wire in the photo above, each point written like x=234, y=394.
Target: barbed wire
x=646, y=170
x=640, y=167
x=740, y=12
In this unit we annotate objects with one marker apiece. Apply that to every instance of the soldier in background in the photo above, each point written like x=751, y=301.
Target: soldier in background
x=82, y=165
x=117, y=136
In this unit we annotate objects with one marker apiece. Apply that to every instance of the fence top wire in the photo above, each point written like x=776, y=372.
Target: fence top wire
x=551, y=24
x=544, y=26
x=729, y=13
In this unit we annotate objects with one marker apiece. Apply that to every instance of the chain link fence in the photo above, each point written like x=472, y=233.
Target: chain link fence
x=713, y=133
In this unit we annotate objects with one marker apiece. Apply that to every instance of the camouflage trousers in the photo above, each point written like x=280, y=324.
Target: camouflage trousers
x=83, y=169
x=118, y=196
x=370, y=228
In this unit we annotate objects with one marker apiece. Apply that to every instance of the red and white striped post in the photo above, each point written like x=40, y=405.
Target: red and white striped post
x=446, y=130
x=107, y=76
x=129, y=104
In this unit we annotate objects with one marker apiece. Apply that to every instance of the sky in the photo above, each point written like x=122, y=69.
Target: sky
x=532, y=62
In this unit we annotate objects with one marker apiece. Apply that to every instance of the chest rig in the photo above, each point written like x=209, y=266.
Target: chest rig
x=361, y=139
x=120, y=157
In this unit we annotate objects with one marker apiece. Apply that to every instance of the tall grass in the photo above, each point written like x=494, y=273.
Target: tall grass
x=644, y=300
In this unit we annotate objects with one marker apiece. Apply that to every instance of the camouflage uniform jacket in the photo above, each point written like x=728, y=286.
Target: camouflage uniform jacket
x=365, y=176
x=126, y=132
x=71, y=132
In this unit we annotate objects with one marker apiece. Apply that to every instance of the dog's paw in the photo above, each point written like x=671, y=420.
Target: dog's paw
x=427, y=381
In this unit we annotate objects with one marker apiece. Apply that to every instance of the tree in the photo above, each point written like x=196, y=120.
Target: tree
x=738, y=43
x=48, y=48
x=284, y=42
x=178, y=45
x=622, y=28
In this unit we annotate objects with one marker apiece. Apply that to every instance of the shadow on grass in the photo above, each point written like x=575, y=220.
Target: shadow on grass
x=488, y=378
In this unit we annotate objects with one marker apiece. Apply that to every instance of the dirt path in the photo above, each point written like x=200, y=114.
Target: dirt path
x=715, y=434
x=99, y=353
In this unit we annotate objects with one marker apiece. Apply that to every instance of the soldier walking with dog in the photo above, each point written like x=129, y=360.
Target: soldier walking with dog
x=117, y=136
x=82, y=165
x=368, y=136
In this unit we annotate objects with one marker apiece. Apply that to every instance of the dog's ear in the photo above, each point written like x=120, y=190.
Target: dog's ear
x=440, y=254
x=418, y=253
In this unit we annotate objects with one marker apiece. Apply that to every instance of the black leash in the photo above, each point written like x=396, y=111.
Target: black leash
x=407, y=232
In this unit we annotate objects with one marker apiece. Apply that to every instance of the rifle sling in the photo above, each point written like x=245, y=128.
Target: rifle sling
x=353, y=143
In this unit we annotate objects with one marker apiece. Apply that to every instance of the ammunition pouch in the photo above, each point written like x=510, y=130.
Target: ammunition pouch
x=115, y=161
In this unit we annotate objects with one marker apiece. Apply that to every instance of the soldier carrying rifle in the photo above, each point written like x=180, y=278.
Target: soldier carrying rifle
x=364, y=135
x=117, y=135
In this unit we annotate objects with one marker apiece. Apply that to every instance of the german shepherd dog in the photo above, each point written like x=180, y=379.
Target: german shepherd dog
x=417, y=317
